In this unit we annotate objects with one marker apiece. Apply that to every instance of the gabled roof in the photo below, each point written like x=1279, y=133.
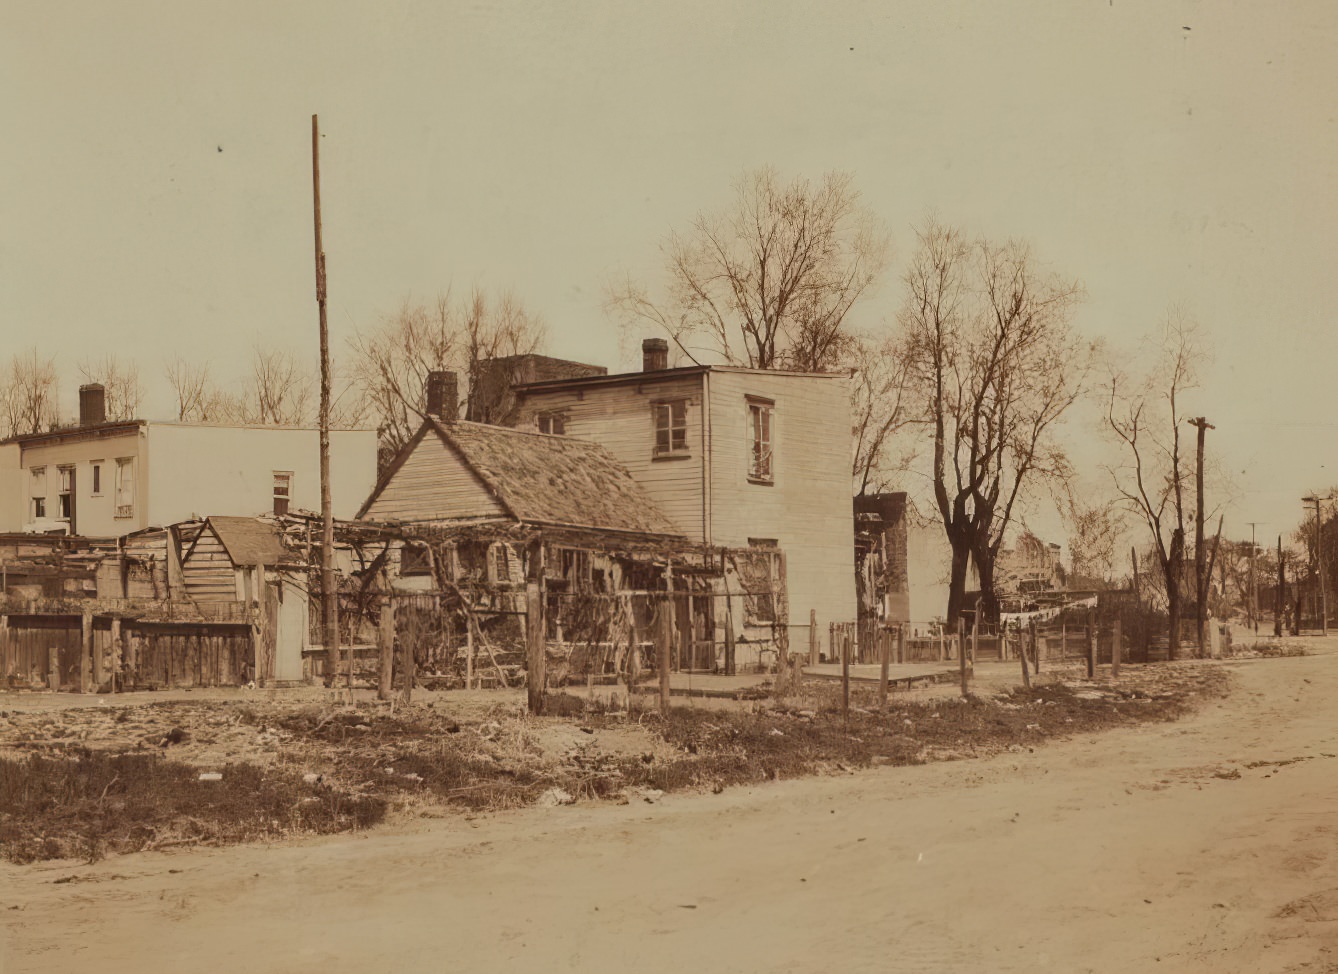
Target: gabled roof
x=546, y=480
x=250, y=541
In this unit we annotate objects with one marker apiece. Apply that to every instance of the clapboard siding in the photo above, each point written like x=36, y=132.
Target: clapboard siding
x=208, y=571
x=618, y=417
x=433, y=483
x=807, y=509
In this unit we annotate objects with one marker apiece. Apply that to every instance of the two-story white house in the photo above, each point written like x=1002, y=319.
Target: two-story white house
x=108, y=479
x=734, y=457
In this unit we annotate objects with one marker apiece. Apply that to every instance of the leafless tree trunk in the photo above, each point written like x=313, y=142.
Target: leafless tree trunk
x=1152, y=481
x=31, y=394
x=769, y=283
x=996, y=365
x=390, y=363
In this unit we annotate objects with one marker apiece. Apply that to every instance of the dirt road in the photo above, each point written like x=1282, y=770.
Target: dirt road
x=1208, y=845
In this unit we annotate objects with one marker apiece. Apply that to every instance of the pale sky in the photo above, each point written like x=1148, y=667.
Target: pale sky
x=155, y=164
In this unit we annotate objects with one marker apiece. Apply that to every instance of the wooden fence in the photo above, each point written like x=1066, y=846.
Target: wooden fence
x=105, y=653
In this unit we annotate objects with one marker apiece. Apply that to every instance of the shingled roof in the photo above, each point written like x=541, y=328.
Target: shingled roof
x=556, y=480
x=251, y=542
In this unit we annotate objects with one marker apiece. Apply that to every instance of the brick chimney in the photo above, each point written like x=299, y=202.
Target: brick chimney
x=654, y=355
x=442, y=396
x=92, y=404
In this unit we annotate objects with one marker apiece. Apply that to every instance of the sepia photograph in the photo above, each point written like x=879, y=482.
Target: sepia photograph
x=747, y=486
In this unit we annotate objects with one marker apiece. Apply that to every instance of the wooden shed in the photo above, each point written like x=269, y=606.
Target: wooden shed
x=243, y=560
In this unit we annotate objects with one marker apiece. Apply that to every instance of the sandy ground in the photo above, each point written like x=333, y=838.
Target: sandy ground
x=1198, y=846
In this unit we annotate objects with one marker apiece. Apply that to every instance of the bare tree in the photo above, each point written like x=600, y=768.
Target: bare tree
x=996, y=364
x=882, y=405
x=1146, y=421
x=390, y=363
x=1095, y=532
x=768, y=284
x=30, y=394
x=280, y=390
x=120, y=382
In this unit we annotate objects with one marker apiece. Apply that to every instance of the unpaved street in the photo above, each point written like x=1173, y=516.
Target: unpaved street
x=1152, y=848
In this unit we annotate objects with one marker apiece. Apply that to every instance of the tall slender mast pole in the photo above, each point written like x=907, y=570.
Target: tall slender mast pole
x=328, y=594
x=1254, y=582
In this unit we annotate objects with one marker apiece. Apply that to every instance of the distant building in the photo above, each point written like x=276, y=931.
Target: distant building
x=493, y=399
x=108, y=479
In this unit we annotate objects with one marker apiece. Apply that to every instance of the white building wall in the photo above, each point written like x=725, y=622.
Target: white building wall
x=198, y=470
x=11, y=488
x=95, y=513
x=807, y=508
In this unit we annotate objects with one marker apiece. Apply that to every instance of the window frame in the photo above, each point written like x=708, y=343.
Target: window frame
x=761, y=414
x=65, y=492
x=556, y=422
x=665, y=408
x=122, y=489
x=283, y=480
x=95, y=478
x=37, y=491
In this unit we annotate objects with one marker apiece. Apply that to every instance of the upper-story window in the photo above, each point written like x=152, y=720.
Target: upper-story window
x=125, y=487
x=283, y=486
x=39, y=492
x=66, y=497
x=761, y=426
x=553, y=423
x=671, y=427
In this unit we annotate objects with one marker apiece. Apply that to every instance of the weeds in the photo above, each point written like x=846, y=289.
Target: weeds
x=85, y=804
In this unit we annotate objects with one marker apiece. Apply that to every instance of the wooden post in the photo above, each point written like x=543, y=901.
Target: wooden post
x=664, y=637
x=4, y=644
x=115, y=652
x=53, y=668
x=385, y=636
x=1063, y=641
x=845, y=678
x=1036, y=646
x=1116, y=650
x=961, y=662
x=729, y=644
x=813, y=637
x=535, y=655
x=886, y=645
x=329, y=592
x=1091, y=646
x=129, y=661
x=86, y=684
x=1022, y=655
x=469, y=650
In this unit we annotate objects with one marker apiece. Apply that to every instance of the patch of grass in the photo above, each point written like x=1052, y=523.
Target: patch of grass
x=85, y=804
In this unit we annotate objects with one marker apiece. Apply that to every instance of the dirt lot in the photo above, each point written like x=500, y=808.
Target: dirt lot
x=1207, y=844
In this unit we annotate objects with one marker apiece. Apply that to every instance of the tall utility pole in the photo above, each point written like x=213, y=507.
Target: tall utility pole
x=1280, y=600
x=1254, y=585
x=1201, y=578
x=1317, y=566
x=328, y=594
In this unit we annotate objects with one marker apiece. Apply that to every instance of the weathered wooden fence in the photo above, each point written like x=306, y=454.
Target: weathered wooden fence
x=100, y=653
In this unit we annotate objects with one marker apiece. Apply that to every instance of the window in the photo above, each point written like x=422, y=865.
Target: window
x=761, y=425
x=65, y=505
x=283, y=485
x=554, y=423
x=415, y=559
x=762, y=576
x=97, y=478
x=671, y=427
x=125, y=487
x=39, y=492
